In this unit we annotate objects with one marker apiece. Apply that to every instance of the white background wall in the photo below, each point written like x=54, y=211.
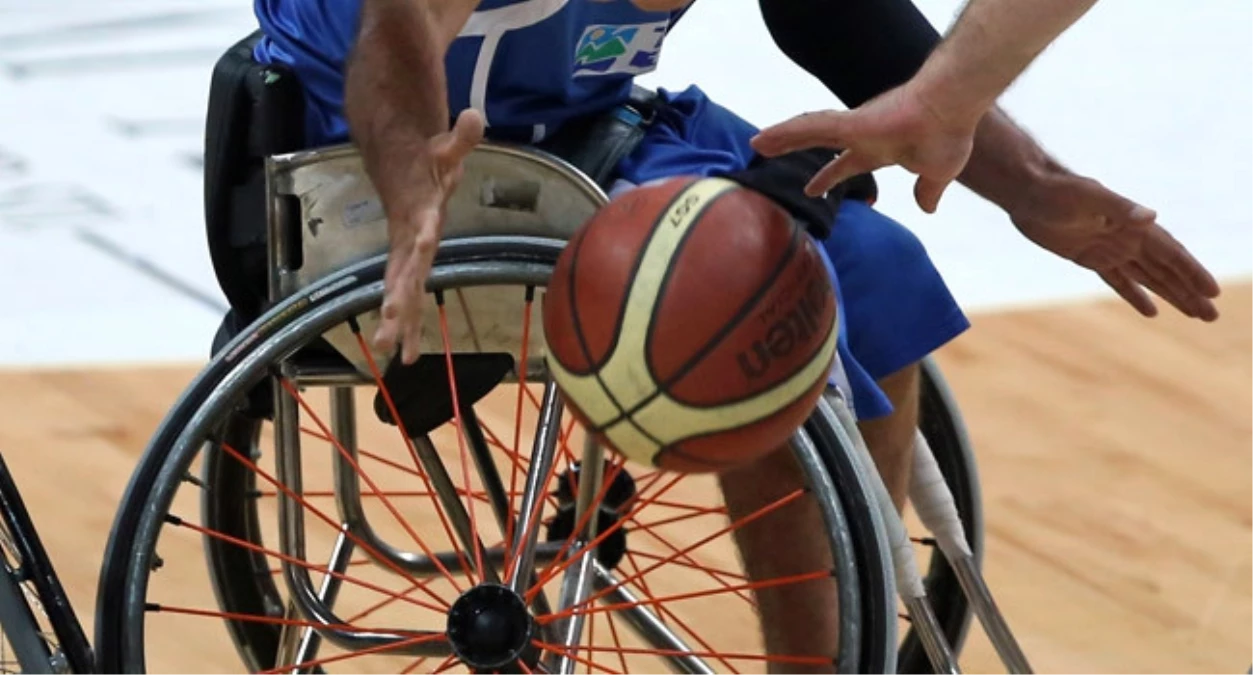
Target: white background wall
x=102, y=255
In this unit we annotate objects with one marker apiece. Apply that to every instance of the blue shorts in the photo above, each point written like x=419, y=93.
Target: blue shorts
x=895, y=307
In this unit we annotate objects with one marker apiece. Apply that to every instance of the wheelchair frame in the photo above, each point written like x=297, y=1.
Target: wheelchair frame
x=323, y=217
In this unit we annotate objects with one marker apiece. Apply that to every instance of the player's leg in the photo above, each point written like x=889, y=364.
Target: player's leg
x=890, y=439
x=694, y=136
x=898, y=310
x=796, y=618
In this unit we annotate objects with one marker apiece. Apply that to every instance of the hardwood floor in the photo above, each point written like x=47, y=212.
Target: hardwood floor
x=1114, y=455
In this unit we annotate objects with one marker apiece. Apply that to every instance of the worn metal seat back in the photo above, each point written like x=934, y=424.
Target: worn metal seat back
x=324, y=215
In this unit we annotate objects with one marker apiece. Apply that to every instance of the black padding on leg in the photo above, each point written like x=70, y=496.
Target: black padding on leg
x=783, y=180
x=420, y=390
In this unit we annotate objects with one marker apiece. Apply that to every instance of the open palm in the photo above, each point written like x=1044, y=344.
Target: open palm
x=1081, y=220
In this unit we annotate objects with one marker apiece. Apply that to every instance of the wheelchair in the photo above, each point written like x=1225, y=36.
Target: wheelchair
x=486, y=540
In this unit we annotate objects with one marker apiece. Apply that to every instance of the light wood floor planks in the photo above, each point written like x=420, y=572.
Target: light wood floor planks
x=1114, y=451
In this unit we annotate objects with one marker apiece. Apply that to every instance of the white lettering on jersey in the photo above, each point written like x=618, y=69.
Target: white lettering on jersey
x=491, y=25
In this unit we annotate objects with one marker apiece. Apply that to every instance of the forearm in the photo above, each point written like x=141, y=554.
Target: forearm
x=1006, y=162
x=395, y=97
x=990, y=45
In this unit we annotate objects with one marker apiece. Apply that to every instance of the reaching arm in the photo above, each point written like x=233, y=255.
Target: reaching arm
x=862, y=48
x=990, y=45
x=395, y=97
x=396, y=102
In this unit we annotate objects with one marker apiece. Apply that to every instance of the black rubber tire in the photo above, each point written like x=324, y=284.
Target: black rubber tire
x=128, y=551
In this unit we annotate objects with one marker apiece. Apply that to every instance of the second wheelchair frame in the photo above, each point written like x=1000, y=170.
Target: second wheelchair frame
x=508, y=221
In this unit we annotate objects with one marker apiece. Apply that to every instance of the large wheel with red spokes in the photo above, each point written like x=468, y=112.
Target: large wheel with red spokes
x=360, y=515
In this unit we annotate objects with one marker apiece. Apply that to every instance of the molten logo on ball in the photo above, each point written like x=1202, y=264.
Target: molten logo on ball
x=797, y=325
x=691, y=325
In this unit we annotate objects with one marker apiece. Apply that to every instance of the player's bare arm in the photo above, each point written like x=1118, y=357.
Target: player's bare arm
x=396, y=104
x=927, y=124
x=989, y=46
x=1067, y=214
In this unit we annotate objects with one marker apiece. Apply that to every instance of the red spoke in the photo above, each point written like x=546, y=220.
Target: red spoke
x=613, y=630
x=563, y=651
x=360, y=652
x=533, y=519
x=591, y=638
x=364, y=453
x=445, y=664
x=413, y=453
x=615, y=468
x=257, y=618
x=696, y=513
x=417, y=663
x=737, y=524
x=461, y=441
x=520, y=371
x=692, y=562
x=681, y=505
x=404, y=524
x=770, y=658
x=175, y=520
x=558, y=565
x=248, y=463
x=387, y=601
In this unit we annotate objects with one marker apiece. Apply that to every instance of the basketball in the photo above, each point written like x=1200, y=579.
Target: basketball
x=691, y=325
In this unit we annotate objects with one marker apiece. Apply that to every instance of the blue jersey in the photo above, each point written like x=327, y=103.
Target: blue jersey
x=527, y=65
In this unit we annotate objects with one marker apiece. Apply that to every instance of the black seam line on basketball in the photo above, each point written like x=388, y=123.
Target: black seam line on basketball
x=661, y=298
x=639, y=262
x=673, y=448
x=714, y=341
x=582, y=340
x=613, y=344
x=818, y=347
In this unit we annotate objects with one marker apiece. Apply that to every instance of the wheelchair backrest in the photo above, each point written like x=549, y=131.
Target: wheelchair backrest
x=324, y=214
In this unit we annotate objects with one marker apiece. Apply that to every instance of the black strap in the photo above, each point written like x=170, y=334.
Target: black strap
x=598, y=143
x=783, y=180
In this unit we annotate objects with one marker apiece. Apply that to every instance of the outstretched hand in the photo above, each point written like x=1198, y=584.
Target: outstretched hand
x=415, y=240
x=898, y=127
x=1081, y=220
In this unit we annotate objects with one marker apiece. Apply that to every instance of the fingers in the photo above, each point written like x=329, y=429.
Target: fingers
x=1164, y=249
x=1130, y=280
x=1171, y=287
x=408, y=267
x=927, y=193
x=423, y=257
x=1130, y=291
x=467, y=132
x=840, y=169
x=825, y=129
x=1166, y=286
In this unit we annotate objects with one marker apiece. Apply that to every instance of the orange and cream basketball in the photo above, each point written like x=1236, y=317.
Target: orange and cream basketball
x=691, y=325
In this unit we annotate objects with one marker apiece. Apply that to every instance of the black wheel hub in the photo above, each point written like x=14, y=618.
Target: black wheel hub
x=490, y=628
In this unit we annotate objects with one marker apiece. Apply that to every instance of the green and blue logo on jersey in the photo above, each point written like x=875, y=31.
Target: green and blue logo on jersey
x=629, y=49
